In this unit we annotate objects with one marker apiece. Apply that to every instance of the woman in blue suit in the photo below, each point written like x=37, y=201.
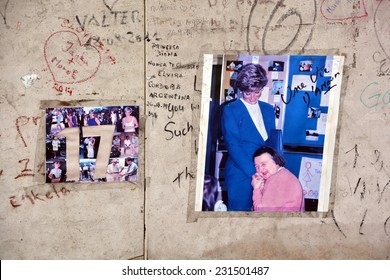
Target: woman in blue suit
x=246, y=126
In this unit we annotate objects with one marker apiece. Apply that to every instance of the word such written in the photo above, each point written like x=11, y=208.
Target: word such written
x=173, y=132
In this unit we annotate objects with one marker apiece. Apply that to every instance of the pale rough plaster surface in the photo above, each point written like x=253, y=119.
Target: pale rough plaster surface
x=221, y=26
x=108, y=222
x=91, y=221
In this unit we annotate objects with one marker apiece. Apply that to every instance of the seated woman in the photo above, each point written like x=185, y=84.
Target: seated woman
x=274, y=187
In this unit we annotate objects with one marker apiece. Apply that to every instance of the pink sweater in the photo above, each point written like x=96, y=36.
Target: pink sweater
x=281, y=192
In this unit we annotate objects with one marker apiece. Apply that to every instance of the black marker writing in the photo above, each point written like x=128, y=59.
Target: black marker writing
x=177, y=132
x=362, y=222
x=355, y=148
x=187, y=175
x=363, y=190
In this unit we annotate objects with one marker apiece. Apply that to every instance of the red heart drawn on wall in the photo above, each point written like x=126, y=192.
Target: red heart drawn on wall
x=343, y=10
x=70, y=61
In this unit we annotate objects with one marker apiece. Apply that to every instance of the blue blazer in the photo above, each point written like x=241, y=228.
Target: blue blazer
x=242, y=140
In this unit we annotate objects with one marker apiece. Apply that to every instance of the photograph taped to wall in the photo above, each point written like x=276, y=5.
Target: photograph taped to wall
x=92, y=144
x=253, y=148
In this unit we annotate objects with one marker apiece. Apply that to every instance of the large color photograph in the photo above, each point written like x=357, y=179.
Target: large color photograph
x=269, y=142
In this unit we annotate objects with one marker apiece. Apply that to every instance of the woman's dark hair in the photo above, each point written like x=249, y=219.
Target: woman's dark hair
x=210, y=193
x=278, y=159
x=251, y=78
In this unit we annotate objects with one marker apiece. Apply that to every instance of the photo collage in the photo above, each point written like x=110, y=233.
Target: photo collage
x=72, y=121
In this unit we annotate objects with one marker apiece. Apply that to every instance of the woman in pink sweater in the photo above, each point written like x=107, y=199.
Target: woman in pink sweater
x=274, y=187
